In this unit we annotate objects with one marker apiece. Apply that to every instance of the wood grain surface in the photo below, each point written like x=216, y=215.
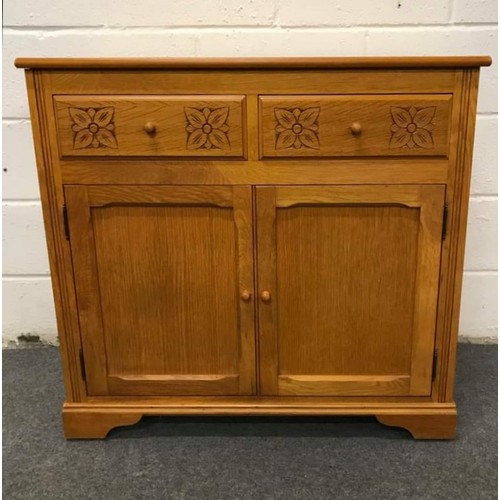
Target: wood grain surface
x=157, y=275
x=151, y=126
x=369, y=125
x=353, y=275
x=252, y=63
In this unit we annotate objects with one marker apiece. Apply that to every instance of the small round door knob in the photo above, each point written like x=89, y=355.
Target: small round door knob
x=245, y=295
x=265, y=296
x=356, y=128
x=150, y=128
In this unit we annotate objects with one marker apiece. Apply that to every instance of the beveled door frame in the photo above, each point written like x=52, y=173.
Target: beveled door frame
x=80, y=200
x=430, y=200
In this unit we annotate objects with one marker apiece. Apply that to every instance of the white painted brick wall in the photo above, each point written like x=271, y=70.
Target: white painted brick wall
x=236, y=28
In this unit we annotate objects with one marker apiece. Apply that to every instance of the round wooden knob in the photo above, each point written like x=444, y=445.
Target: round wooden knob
x=265, y=296
x=245, y=295
x=356, y=128
x=150, y=128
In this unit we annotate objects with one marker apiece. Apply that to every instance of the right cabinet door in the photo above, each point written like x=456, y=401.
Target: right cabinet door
x=348, y=279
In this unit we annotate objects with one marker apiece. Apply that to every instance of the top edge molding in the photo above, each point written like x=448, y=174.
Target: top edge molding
x=253, y=63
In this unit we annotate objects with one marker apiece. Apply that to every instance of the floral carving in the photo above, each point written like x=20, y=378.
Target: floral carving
x=93, y=127
x=207, y=128
x=412, y=127
x=297, y=128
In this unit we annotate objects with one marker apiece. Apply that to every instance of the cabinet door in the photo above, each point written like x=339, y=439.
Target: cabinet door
x=348, y=281
x=160, y=274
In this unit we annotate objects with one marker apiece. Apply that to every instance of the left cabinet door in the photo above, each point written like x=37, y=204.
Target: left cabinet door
x=164, y=283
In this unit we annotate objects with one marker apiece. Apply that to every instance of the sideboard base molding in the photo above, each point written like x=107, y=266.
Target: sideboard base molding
x=424, y=426
x=88, y=423
x=422, y=420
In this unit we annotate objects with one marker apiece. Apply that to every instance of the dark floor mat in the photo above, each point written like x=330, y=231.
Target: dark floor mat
x=244, y=458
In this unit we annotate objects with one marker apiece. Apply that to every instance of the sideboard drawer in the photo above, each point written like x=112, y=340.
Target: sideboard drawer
x=354, y=125
x=178, y=126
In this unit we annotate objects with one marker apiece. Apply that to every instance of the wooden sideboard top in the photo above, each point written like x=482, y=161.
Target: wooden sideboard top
x=254, y=63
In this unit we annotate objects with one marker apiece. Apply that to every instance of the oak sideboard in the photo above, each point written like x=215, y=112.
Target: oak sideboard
x=256, y=236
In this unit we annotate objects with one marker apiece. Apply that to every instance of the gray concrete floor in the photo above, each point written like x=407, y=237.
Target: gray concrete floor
x=244, y=458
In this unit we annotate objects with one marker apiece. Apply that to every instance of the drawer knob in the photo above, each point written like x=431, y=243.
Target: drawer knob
x=245, y=295
x=150, y=128
x=356, y=128
x=265, y=296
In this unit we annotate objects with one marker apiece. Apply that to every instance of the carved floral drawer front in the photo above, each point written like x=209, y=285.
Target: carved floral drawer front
x=392, y=125
x=188, y=126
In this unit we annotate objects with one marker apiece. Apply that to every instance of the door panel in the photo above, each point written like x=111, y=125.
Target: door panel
x=158, y=273
x=353, y=274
